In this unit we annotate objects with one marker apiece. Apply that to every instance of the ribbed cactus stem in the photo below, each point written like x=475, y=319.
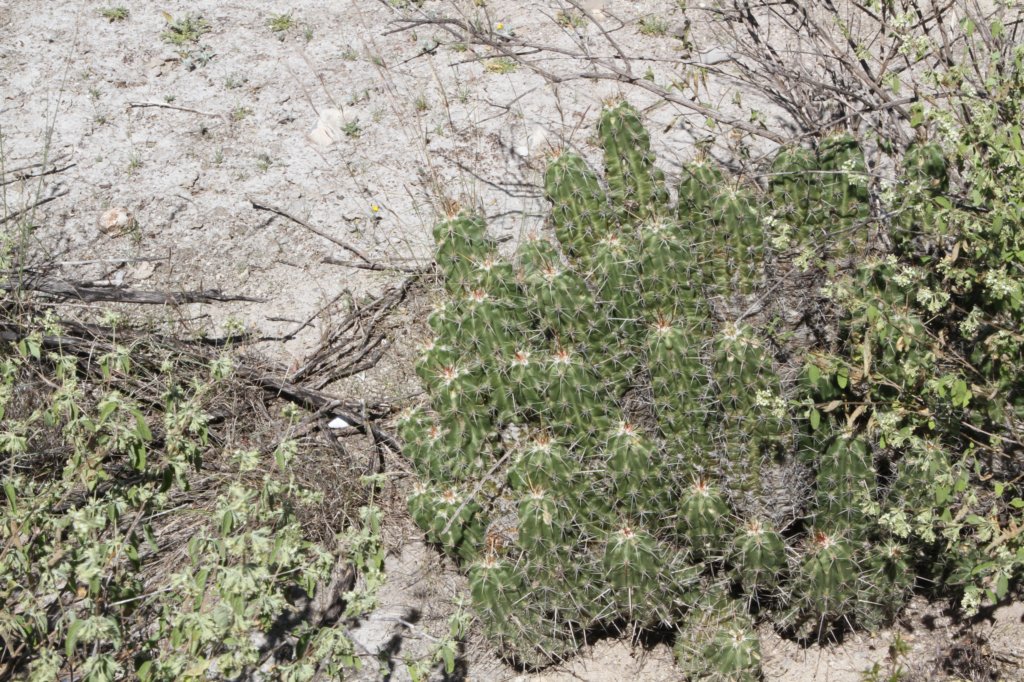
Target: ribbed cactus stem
x=636, y=187
x=579, y=205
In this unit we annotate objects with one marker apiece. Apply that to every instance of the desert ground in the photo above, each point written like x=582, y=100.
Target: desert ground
x=294, y=157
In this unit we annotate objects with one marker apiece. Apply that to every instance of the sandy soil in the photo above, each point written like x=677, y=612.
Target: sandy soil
x=363, y=133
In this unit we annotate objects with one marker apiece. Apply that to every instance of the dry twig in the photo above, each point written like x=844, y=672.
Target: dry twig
x=91, y=293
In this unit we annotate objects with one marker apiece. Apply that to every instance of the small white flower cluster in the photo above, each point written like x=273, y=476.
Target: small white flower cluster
x=781, y=233
x=854, y=175
x=803, y=261
x=933, y=301
x=969, y=325
x=999, y=285
x=771, y=403
x=906, y=276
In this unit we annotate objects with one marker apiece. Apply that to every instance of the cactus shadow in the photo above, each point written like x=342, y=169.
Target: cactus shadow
x=390, y=659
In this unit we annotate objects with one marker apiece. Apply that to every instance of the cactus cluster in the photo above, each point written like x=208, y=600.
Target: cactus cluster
x=603, y=430
x=822, y=195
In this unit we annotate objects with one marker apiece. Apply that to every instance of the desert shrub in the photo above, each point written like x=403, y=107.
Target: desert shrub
x=153, y=525
x=615, y=437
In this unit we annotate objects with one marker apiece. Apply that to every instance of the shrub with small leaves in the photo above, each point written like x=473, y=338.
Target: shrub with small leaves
x=136, y=543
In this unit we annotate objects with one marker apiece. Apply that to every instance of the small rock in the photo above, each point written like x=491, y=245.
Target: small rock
x=144, y=270
x=329, y=127
x=532, y=144
x=715, y=55
x=115, y=221
x=339, y=423
x=596, y=8
x=158, y=66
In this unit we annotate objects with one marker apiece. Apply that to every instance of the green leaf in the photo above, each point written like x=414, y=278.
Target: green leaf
x=200, y=582
x=71, y=639
x=141, y=427
x=916, y=115
x=448, y=653
x=12, y=496
x=227, y=522
x=842, y=377
x=1002, y=586
x=815, y=419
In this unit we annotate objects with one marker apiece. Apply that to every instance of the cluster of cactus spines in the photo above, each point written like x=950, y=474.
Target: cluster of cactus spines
x=724, y=224
x=636, y=187
x=700, y=184
x=753, y=414
x=845, y=483
x=717, y=640
x=759, y=553
x=680, y=384
x=534, y=373
x=634, y=565
x=671, y=277
x=825, y=587
x=736, y=261
x=822, y=196
x=792, y=188
x=579, y=209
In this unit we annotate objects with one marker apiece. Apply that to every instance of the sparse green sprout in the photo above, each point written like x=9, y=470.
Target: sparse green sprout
x=500, y=65
x=240, y=113
x=281, y=23
x=184, y=31
x=652, y=25
x=113, y=14
x=352, y=128
x=197, y=57
x=570, y=19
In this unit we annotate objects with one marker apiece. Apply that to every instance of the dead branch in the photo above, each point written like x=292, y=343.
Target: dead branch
x=20, y=174
x=88, y=293
x=164, y=105
x=601, y=69
x=36, y=204
x=87, y=341
x=298, y=221
x=824, y=64
x=355, y=345
x=380, y=267
x=314, y=400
